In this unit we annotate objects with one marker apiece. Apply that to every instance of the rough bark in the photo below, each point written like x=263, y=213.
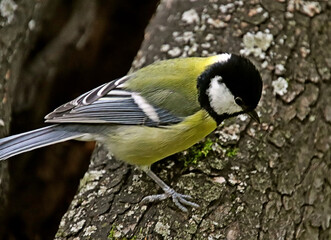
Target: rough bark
x=18, y=32
x=50, y=52
x=268, y=181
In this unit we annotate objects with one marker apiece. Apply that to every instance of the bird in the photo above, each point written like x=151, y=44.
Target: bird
x=159, y=110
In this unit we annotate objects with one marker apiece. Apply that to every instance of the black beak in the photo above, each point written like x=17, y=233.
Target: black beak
x=254, y=116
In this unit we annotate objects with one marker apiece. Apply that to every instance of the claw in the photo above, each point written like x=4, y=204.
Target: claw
x=179, y=199
x=154, y=198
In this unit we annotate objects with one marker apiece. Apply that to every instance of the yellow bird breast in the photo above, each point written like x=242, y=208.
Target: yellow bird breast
x=142, y=145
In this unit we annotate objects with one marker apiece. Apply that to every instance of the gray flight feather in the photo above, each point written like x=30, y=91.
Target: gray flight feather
x=112, y=103
x=20, y=143
x=86, y=98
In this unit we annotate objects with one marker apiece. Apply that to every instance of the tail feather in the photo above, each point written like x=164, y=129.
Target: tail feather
x=20, y=143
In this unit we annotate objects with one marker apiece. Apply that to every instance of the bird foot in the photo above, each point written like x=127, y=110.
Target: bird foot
x=179, y=199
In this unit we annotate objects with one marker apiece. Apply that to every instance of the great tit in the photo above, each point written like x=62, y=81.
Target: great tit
x=159, y=110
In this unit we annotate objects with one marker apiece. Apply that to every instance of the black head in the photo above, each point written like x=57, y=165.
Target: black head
x=229, y=87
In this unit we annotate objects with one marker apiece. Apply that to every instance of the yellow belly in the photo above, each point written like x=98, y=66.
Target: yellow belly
x=141, y=145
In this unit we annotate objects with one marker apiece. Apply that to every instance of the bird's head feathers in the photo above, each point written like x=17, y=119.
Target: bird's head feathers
x=230, y=86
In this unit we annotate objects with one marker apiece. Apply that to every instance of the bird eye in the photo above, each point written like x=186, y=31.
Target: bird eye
x=239, y=101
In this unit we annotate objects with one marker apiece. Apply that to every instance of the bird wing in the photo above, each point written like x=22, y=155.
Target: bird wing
x=112, y=103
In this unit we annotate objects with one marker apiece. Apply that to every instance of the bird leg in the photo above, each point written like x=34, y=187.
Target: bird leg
x=179, y=199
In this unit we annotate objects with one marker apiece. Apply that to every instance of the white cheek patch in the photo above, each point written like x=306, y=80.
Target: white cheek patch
x=220, y=97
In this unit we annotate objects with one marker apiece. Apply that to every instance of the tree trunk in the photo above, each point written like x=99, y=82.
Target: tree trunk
x=51, y=52
x=267, y=181
x=19, y=28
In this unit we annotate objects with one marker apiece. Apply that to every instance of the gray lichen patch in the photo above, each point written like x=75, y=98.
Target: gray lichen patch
x=256, y=44
x=89, y=231
x=309, y=8
x=7, y=11
x=280, y=86
x=229, y=134
x=163, y=229
x=190, y=16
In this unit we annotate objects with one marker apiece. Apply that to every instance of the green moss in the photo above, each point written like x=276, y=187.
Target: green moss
x=231, y=152
x=111, y=233
x=197, y=152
